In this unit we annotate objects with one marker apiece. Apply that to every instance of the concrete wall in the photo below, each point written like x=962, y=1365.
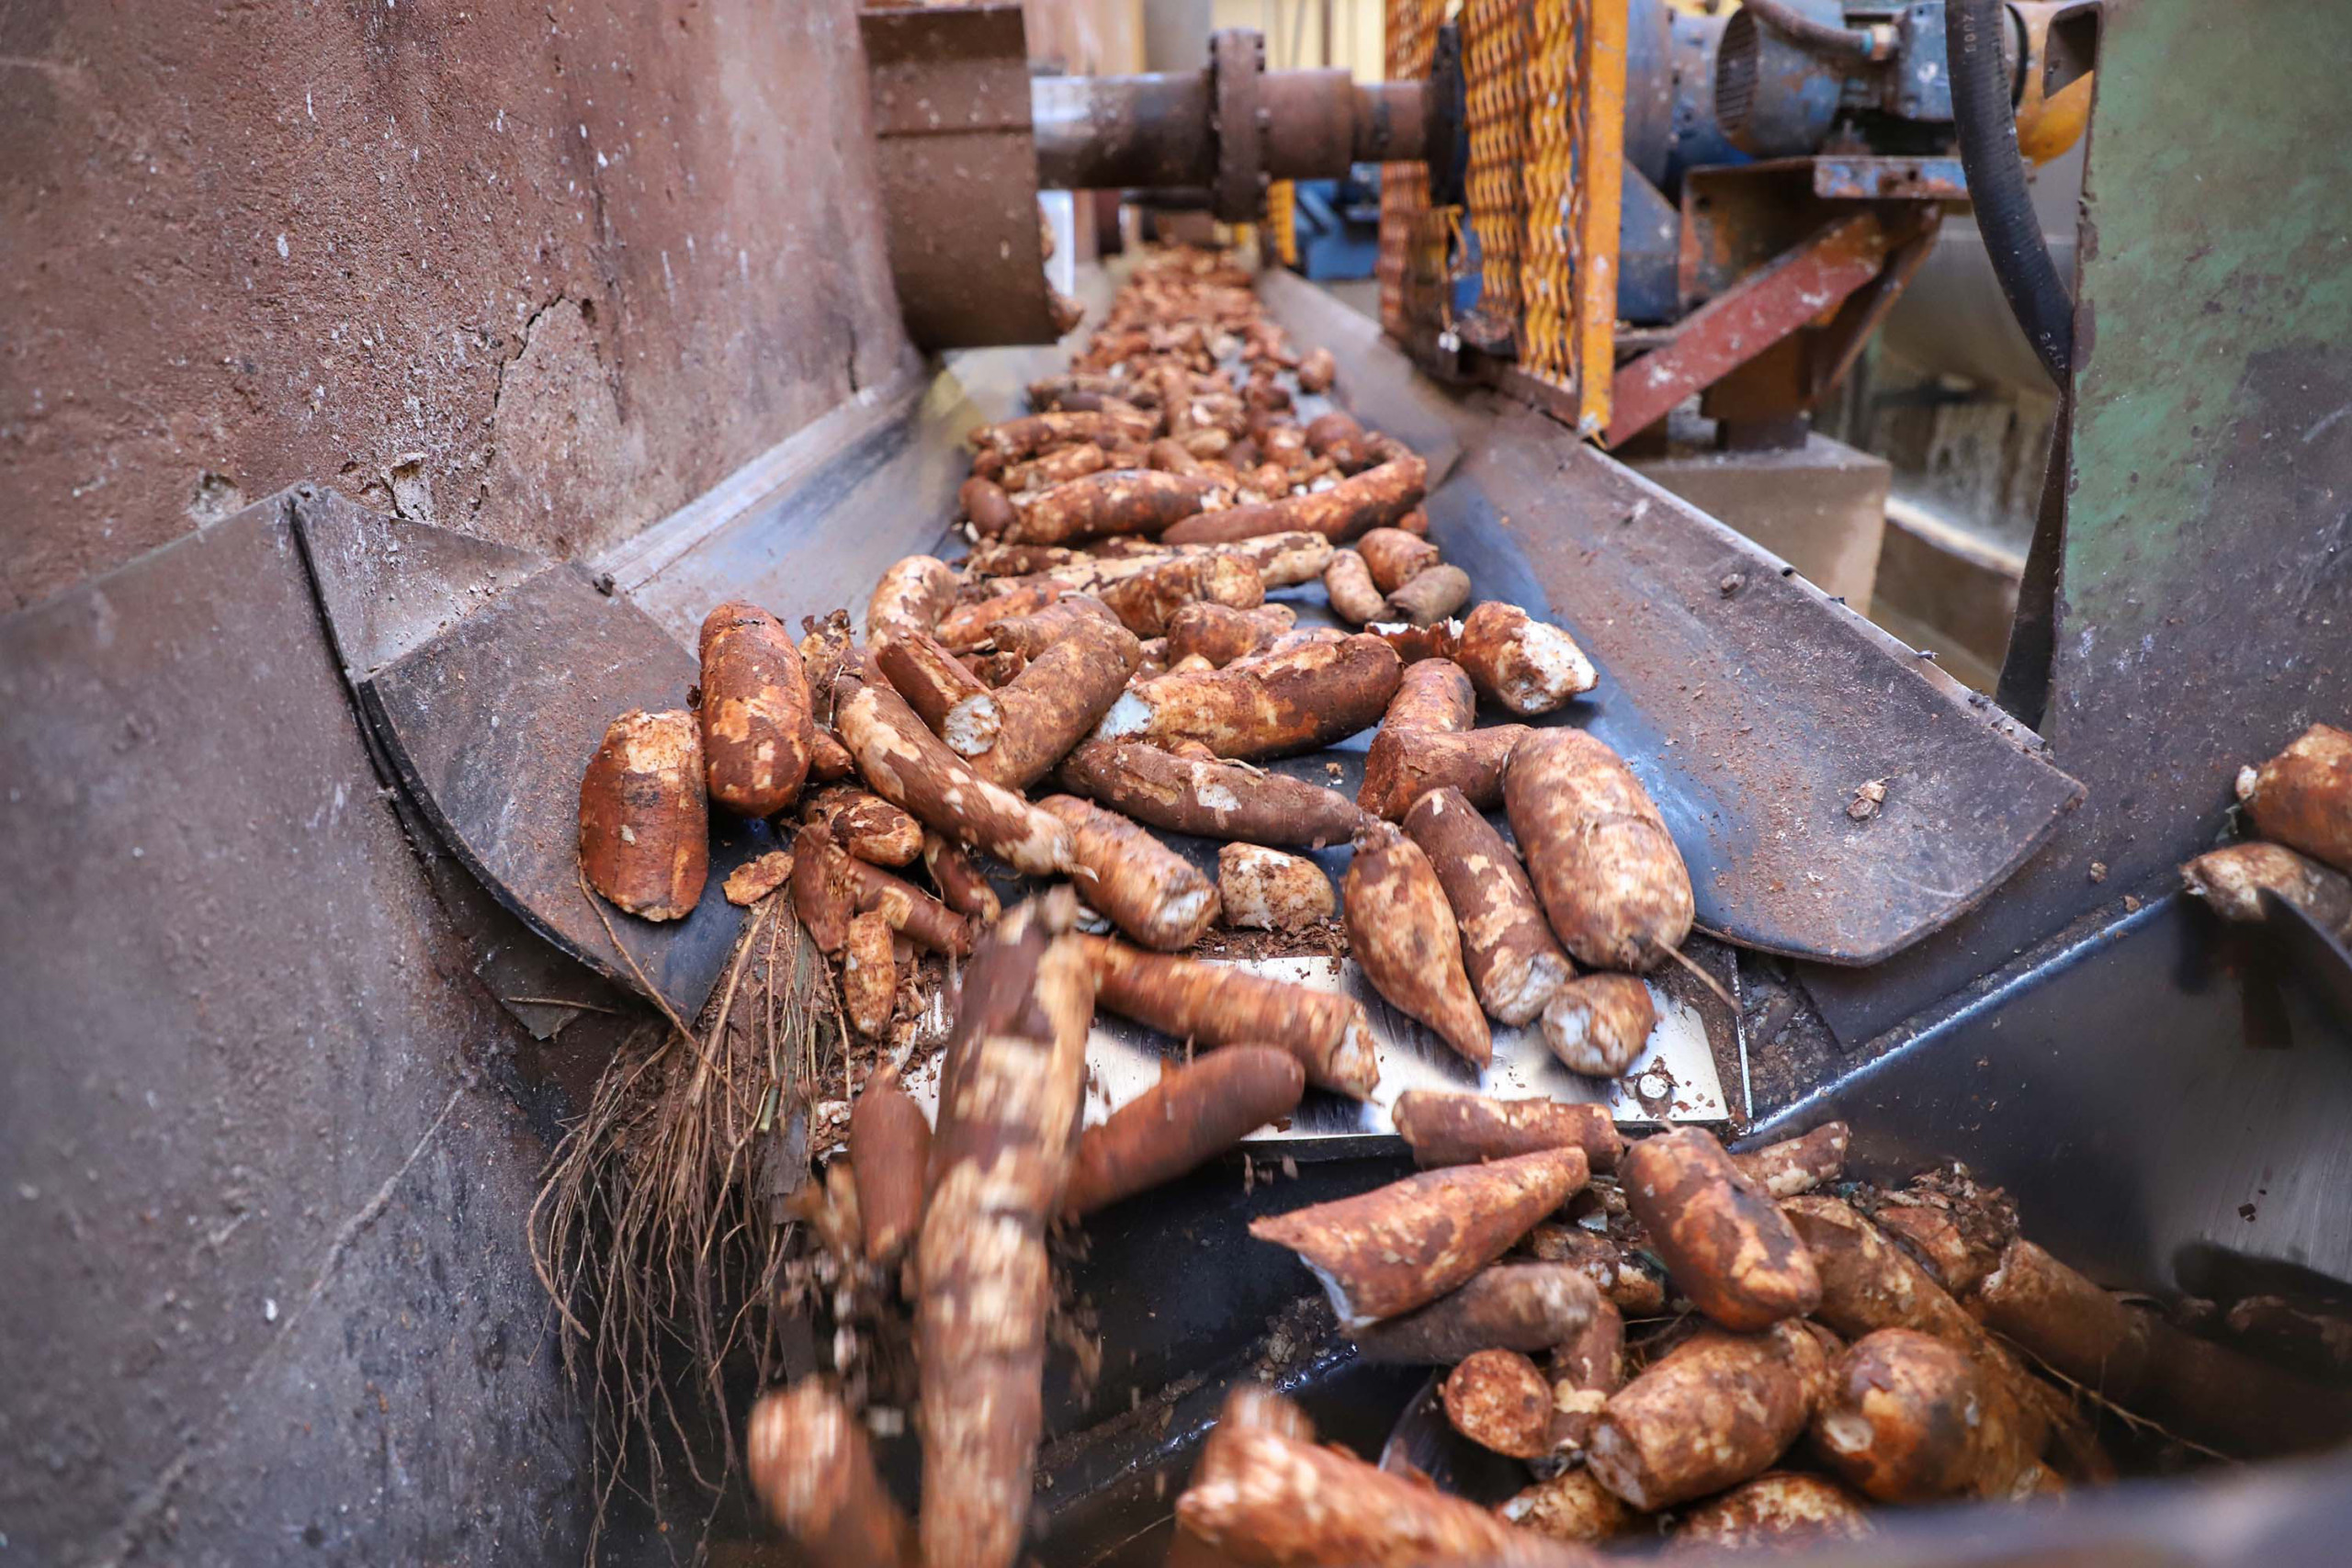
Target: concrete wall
x=540, y=272
x=1293, y=30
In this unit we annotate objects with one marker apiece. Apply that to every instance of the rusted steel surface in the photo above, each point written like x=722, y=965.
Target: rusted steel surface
x=958, y=173
x=1738, y=217
x=487, y=707
x=1105, y=132
x=1736, y=327
x=1862, y=178
x=1237, y=63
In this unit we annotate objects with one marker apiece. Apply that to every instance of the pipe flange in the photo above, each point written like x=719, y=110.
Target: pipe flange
x=1236, y=60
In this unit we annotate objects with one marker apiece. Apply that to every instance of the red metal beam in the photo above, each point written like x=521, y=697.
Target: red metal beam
x=1799, y=287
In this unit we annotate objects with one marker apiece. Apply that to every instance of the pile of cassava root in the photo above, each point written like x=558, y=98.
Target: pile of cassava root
x=1104, y=661
x=1736, y=1350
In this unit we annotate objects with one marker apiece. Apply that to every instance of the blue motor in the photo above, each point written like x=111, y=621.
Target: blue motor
x=1773, y=79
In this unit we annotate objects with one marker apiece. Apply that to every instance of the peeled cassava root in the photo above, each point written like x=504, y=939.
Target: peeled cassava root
x=2302, y=798
x=1007, y=1118
x=1514, y=963
x=1268, y=707
x=1403, y=936
x=644, y=816
x=1267, y=890
x=1403, y=1245
x=1729, y=1249
x=1149, y=891
x=1217, y=1004
x=1194, y=1113
x=1612, y=883
x=1462, y=1129
x=910, y=767
x=1208, y=797
x=1426, y=743
x=756, y=730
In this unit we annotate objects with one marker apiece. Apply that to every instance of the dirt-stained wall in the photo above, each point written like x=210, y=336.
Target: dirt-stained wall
x=540, y=271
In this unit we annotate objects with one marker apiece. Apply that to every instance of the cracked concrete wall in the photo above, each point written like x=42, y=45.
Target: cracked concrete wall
x=542, y=273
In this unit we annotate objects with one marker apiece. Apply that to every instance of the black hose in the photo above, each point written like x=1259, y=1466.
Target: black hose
x=1805, y=33
x=1981, y=108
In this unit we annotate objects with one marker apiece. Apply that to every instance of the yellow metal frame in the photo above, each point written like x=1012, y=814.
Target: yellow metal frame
x=1494, y=54
x=1576, y=105
x=1545, y=84
x=1282, y=220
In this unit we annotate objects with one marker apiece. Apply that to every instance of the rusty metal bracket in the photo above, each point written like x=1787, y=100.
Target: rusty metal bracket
x=958, y=170
x=1726, y=333
x=1236, y=62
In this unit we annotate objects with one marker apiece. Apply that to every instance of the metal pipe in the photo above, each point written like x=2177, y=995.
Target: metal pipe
x=1108, y=132
x=1985, y=122
x=1122, y=132
x=1392, y=122
x=1852, y=43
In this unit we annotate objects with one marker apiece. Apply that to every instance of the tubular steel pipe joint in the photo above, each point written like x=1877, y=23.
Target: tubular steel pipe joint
x=1229, y=129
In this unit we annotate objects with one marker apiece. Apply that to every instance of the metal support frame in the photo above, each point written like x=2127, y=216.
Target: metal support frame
x=2190, y=594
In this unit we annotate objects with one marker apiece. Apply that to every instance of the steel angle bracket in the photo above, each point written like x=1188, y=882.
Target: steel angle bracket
x=484, y=677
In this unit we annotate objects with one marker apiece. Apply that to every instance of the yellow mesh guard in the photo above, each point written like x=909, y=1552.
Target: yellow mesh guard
x=1282, y=220
x=1493, y=55
x=1576, y=107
